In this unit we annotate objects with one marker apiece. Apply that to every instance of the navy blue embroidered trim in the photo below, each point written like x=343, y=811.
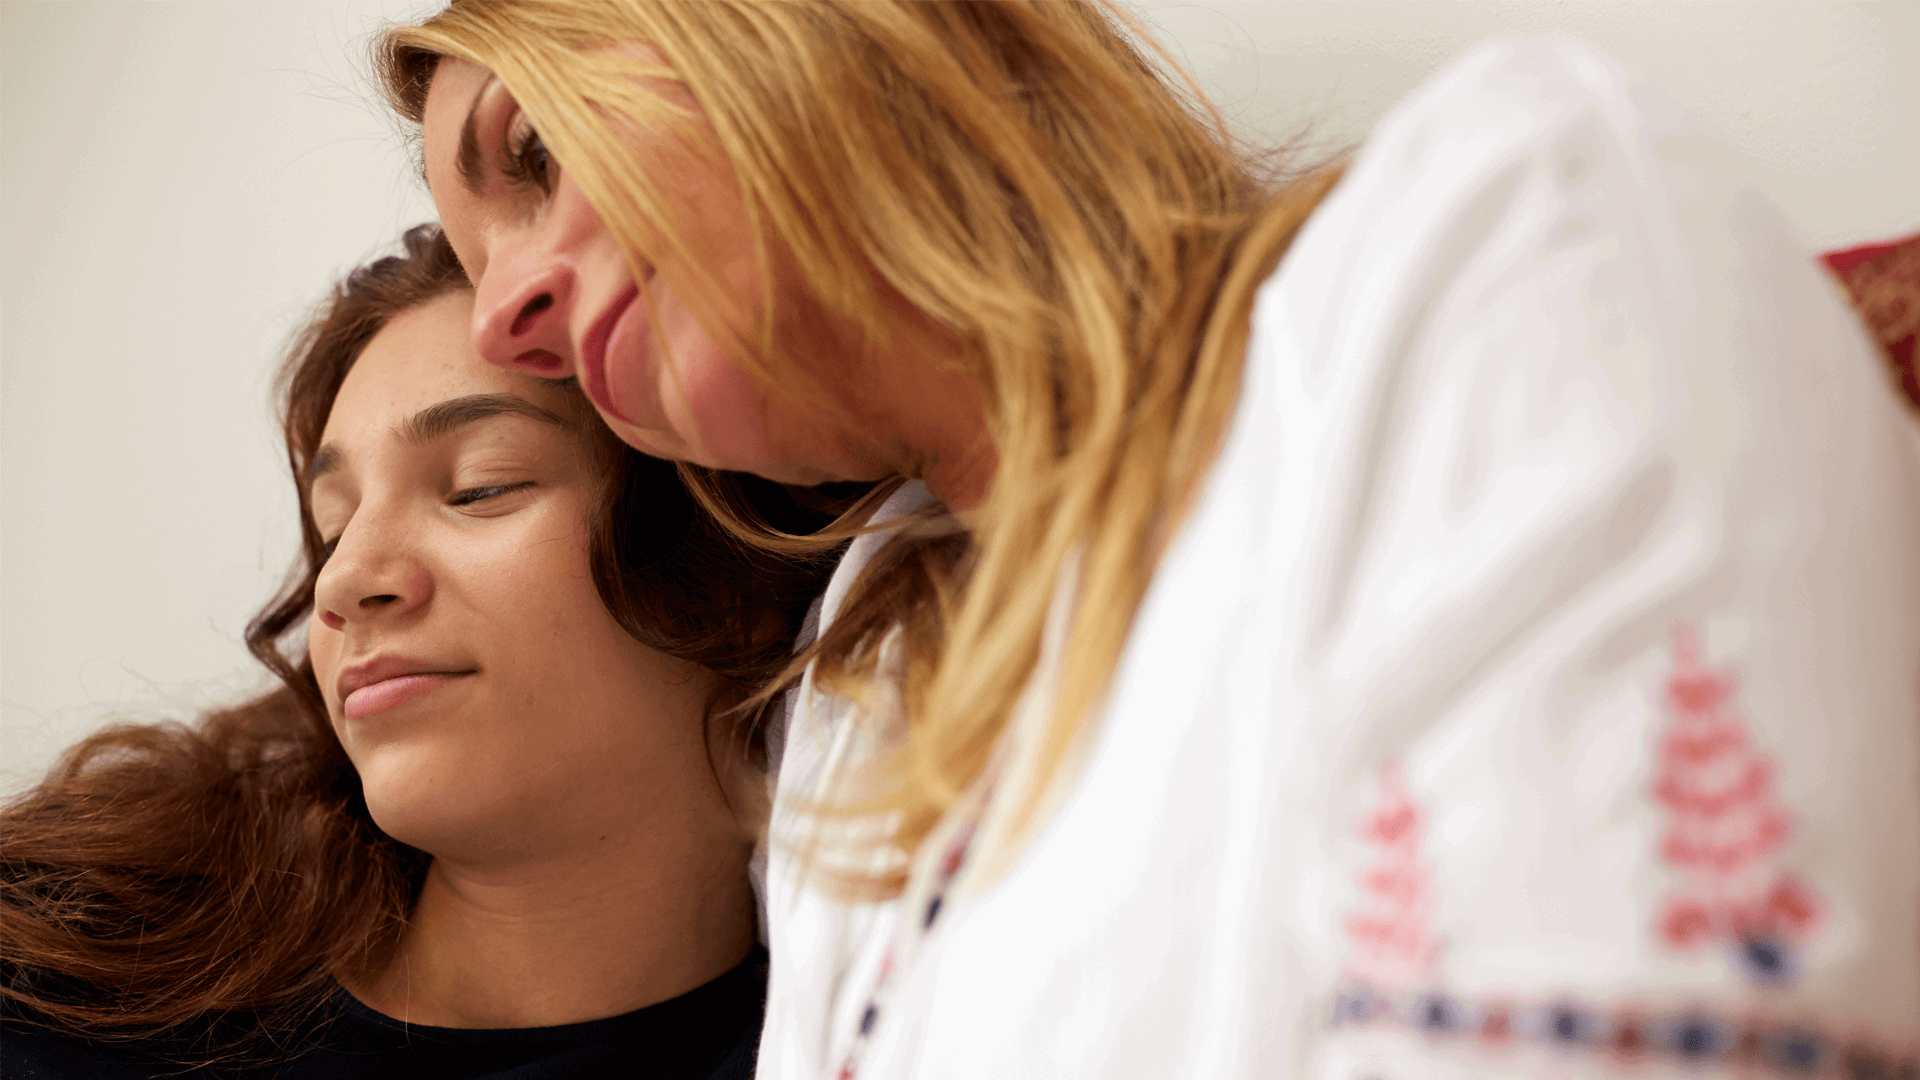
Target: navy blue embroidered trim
x=1690, y=1037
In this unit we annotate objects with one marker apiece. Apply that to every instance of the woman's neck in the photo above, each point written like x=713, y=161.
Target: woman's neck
x=568, y=938
x=911, y=409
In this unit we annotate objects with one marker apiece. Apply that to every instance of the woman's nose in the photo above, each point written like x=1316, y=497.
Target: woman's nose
x=371, y=576
x=520, y=310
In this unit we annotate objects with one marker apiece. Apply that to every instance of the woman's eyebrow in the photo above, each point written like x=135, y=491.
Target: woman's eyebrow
x=455, y=413
x=447, y=416
x=467, y=160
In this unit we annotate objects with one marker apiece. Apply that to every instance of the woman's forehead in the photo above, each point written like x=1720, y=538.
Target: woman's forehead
x=451, y=99
x=449, y=137
x=422, y=357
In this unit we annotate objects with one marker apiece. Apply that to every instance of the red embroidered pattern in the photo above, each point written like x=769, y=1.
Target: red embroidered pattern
x=1723, y=824
x=1390, y=933
x=1628, y=1034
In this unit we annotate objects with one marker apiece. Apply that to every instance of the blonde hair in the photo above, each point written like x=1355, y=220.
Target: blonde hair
x=1021, y=173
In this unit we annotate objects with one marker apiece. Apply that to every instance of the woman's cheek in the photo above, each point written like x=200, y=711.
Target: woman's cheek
x=710, y=407
x=723, y=415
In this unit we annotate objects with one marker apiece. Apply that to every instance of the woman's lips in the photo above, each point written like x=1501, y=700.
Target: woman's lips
x=392, y=693
x=593, y=352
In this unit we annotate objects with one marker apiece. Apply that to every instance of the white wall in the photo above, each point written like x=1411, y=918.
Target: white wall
x=178, y=182
x=1823, y=97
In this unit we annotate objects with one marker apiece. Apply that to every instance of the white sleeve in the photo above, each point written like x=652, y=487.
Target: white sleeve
x=1536, y=687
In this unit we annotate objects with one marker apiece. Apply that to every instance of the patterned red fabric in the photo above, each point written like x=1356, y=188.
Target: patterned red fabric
x=1884, y=282
x=1724, y=824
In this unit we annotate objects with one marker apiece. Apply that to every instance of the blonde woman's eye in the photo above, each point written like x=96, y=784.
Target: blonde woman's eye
x=528, y=164
x=469, y=496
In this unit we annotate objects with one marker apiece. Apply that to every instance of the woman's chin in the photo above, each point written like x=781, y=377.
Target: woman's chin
x=426, y=809
x=725, y=456
x=444, y=835
x=650, y=441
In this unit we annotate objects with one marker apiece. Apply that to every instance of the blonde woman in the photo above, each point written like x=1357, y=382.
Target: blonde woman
x=1454, y=618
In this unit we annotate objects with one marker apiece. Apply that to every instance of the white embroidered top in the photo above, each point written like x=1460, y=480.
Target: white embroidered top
x=1534, y=689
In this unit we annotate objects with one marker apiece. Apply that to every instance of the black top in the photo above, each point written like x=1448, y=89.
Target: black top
x=709, y=1033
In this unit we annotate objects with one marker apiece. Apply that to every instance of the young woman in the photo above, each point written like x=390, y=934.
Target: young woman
x=1327, y=670
x=497, y=819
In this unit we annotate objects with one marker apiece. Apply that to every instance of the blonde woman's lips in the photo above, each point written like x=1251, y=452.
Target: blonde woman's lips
x=389, y=694
x=593, y=352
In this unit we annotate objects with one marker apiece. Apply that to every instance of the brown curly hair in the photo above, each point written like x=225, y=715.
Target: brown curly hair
x=199, y=884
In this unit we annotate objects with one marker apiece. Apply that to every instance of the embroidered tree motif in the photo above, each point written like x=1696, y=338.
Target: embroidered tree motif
x=1391, y=934
x=1723, y=825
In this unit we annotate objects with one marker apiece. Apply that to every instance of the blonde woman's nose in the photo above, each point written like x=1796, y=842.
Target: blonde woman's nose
x=520, y=314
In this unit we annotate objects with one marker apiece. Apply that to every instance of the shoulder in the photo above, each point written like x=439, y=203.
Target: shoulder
x=1540, y=240
x=1505, y=103
x=1516, y=154
x=1508, y=89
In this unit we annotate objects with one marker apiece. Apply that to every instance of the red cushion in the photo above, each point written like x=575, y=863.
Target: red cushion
x=1884, y=281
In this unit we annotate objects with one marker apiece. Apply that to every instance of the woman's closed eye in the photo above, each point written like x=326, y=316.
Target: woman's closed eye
x=472, y=495
x=465, y=497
